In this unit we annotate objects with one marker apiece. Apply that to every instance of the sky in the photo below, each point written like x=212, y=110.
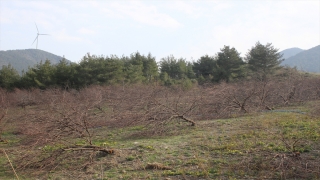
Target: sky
x=185, y=29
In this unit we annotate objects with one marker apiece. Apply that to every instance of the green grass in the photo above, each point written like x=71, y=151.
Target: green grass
x=251, y=147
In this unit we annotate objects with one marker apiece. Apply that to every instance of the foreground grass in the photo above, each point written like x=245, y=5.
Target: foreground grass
x=276, y=145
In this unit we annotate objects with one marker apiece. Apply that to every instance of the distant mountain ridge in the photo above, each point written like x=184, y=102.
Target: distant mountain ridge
x=290, y=52
x=305, y=60
x=22, y=59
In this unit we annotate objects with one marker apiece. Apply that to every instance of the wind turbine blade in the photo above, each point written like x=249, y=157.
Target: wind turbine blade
x=34, y=40
x=37, y=27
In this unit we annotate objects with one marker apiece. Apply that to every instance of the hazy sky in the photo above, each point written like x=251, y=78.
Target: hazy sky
x=187, y=29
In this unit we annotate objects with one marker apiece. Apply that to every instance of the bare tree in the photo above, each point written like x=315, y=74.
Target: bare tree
x=3, y=112
x=153, y=107
x=60, y=124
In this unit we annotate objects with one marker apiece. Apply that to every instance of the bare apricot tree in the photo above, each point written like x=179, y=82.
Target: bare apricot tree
x=3, y=112
x=167, y=105
x=152, y=107
x=64, y=130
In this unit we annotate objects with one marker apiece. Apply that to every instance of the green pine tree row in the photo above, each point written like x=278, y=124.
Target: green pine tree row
x=226, y=65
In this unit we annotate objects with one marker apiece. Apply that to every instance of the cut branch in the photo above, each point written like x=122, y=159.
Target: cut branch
x=89, y=148
x=183, y=118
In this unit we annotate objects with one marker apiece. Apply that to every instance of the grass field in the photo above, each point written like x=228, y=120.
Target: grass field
x=266, y=145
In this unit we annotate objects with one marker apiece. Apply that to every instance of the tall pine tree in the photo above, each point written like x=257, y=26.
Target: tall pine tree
x=263, y=60
x=228, y=65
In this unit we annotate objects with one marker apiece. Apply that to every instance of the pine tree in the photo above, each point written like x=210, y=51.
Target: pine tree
x=204, y=67
x=263, y=60
x=8, y=77
x=228, y=65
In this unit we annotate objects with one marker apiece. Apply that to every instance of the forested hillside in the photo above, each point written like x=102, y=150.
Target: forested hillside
x=22, y=59
x=308, y=60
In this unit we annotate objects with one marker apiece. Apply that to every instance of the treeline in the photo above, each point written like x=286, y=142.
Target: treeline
x=226, y=65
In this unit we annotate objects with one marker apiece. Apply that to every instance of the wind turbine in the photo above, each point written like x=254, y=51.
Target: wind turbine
x=38, y=34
